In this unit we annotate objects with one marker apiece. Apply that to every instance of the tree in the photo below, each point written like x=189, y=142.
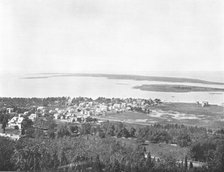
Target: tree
x=62, y=157
x=38, y=133
x=118, y=127
x=111, y=130
x=123, y=133
x=51, y=128
x=185, y=162
x=218, y=161
x=168, y=161
x=184, y=140
x=116, y=166
x=138, y=159
x=62, y=131
x=4, y=123
x=26, y=124
x=86, y=128
x=101, y=134
x=30, y=132
x=201, y=150
x=160, y=136
x=74, y=128
x=97, y=164
x=157, y=101
x=6, y=152
x=149, y=163
x=47, y=124
x=132, y=132
x=197, y=152
x=28, y=157
x=90, y=119
x=191, y=165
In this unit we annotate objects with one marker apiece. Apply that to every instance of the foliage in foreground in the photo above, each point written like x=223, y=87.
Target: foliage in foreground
x=89, y=153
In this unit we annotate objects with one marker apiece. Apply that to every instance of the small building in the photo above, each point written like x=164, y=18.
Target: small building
x=40, y=108
x=9, y=110
x=16, y=121
x=204, y=104
x=33, y=116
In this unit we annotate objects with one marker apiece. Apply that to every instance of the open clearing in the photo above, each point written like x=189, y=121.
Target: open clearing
x=159, y=149
x=174, y=113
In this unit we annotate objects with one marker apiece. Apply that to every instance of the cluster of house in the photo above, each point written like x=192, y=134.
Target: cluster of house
x=203, y=104
x=16, y=121
x=84, y=110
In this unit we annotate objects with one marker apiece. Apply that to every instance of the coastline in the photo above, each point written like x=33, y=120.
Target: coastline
x=124, y=77
x=176, y=88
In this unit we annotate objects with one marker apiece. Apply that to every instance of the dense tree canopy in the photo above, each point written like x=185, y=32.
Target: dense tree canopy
x=6, y=152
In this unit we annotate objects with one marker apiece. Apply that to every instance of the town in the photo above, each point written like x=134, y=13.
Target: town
x=78, y=110
x=82, y=120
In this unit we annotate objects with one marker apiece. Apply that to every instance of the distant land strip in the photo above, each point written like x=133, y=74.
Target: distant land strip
x=124, y=77
x=177, y=88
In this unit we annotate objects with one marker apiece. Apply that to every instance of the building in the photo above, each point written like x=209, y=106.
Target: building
x=16, y=121
x=33, y=116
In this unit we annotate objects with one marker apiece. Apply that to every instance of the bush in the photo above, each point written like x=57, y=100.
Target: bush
x=6, y=152
x=16, y=127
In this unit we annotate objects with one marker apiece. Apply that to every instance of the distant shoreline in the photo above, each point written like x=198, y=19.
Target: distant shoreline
x=176, y=88
x=124, y=77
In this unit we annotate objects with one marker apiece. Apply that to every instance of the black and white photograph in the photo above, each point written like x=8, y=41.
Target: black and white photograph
x=112, y=85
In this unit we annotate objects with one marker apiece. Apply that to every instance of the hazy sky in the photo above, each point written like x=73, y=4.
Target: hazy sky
x=111, y=35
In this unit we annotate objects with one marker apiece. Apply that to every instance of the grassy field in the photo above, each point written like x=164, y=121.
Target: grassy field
x=191, y=108
x=158, y=150
x=175, y=113
x=211, y=116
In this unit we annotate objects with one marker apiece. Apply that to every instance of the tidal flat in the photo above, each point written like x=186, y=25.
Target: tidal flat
x=189, y=114
x=177, y=88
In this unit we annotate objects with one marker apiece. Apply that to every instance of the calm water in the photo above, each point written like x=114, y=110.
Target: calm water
x=14, y=86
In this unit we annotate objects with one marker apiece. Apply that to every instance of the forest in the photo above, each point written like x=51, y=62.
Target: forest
x=47, y=146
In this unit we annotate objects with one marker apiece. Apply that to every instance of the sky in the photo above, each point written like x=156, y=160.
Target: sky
x=111, y=36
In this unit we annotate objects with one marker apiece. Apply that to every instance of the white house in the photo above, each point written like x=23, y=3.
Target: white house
x=40, y=108
x=9, y=110
x=33, y=116
x=117, y=106
x=103, y=107
x=16, y=121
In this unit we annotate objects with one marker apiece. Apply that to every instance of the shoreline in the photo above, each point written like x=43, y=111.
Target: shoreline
x=177, y=88
x=125, y=77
